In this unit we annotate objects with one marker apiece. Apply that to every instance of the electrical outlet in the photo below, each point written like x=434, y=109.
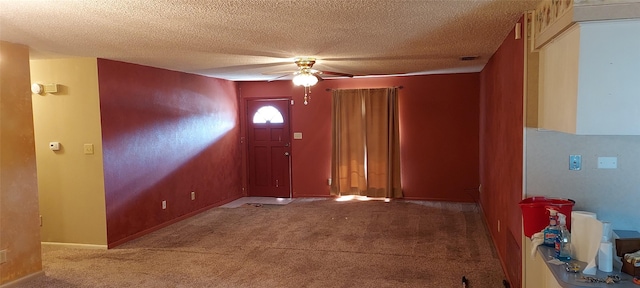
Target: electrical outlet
x=3, y=256
x=88, y=149
x=51, y=88
x=193, y=195
x=575, y=162
x=164, y=204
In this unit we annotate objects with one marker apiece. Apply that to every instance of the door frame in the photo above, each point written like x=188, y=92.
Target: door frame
x=244, y=139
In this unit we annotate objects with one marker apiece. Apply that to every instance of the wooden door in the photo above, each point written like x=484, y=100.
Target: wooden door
x=269, y=148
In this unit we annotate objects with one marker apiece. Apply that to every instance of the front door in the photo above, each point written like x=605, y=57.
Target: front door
x=269, y=148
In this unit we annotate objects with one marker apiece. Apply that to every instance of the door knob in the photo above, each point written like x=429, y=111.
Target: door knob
x=286, y=153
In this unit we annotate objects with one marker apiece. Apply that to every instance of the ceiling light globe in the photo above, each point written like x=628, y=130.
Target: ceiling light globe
x=305, y=79
x=298, y=80
x=310, y=80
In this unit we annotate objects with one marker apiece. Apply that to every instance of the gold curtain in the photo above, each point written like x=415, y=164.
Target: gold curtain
x=366, y=143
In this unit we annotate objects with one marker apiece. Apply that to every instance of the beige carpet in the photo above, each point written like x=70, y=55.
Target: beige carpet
x=307, y=243
x=257, y=201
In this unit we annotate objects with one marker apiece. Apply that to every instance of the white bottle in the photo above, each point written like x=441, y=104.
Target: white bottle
x=605, y=257
x=605, y=252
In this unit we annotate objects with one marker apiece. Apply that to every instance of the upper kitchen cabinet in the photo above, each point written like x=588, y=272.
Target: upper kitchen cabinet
x=589, y=79
x=588, y=57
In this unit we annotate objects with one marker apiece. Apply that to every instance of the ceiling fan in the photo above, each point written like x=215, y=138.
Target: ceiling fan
x=306, y=76
x=305, y=65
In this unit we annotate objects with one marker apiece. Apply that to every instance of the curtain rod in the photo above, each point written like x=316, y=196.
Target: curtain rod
x=329, y=89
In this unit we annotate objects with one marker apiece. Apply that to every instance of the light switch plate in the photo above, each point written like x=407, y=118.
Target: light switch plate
x=297, y=135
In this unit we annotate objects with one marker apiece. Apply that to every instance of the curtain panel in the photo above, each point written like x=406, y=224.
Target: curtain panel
x=366, y=143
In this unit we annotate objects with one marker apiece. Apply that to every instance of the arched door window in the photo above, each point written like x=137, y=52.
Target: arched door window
x=268, y=114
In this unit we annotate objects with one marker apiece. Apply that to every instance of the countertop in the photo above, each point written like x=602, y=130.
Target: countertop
x=572, y=280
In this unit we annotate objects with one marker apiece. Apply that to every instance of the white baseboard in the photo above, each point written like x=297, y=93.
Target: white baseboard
x=76, y=245
x=16, y=283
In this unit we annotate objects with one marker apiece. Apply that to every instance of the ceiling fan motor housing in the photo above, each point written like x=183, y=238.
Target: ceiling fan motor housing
x=305, y=63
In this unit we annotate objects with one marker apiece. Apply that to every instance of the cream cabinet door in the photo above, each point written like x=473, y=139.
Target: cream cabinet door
x=536, y=273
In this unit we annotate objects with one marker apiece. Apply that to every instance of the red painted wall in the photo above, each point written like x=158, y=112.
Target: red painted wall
x=501, y=140
x=165, y=134
x=438, y=131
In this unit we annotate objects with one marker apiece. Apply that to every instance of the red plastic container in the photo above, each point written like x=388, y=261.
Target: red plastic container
x=535, y=216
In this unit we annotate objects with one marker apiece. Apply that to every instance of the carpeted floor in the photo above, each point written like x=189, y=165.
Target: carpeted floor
x=257, y=201
x=307, y=243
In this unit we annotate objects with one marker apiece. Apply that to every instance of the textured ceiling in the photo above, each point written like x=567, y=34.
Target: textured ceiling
x=258, y=39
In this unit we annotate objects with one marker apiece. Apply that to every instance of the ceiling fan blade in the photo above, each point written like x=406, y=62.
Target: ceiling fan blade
x=305, y=67
x=338, y=74
x=279, y=77
x=280, y=72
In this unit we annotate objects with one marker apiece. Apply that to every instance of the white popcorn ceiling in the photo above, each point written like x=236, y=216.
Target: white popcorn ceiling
x=258, y=39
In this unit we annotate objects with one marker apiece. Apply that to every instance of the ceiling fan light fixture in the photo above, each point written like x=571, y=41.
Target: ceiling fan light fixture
x=305, y=76
x=305, y=79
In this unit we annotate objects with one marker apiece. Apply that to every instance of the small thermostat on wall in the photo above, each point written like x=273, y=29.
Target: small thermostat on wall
x=54, y=146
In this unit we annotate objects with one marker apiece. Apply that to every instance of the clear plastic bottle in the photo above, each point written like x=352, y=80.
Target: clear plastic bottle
x=551, y=231
x=563, y=240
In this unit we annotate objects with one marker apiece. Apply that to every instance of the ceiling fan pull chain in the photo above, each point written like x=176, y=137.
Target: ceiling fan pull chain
x=307, y=91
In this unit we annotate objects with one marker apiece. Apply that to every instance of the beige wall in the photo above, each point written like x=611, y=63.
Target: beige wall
x=19, y=231
x=71, y=183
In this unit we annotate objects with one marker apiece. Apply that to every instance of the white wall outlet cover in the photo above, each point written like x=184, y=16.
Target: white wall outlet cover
x=54, y=146
x=50, y=88
x=88, y=149
x=607, y=162
x=297, y=135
